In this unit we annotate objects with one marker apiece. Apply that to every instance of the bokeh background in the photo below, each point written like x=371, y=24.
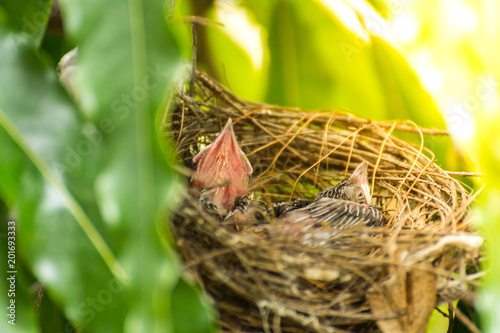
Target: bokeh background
x=90, y=182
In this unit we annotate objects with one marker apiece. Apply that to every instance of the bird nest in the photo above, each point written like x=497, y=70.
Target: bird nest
x=364, y=279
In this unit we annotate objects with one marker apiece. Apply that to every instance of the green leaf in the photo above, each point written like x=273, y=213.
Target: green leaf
x=185, y=308
x=59, y=242
x=127, y=44
x=29, y=18
x=95, y=190
x=21, y=311
x=384, y=8
x=234, y=66
x=406, y=99
x=317, y=64
x=127, y=62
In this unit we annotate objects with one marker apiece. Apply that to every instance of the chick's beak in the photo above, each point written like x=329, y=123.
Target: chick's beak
x=223, y=162
x=360, y=178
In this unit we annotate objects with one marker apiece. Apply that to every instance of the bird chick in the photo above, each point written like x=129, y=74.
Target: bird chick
x=222, y=172
x=341, y=206
x=280, y=208
x=247, y=212
x=354, y=188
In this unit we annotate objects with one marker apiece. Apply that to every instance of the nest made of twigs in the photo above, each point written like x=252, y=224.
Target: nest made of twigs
x=362, y=279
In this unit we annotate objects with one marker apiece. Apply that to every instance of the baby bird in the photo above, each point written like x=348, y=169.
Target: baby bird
x=341, y=206
x=247, y=212
x=354, y=188
x=222, y=173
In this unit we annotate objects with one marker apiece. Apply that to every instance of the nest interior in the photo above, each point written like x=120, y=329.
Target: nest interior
x=364, y=279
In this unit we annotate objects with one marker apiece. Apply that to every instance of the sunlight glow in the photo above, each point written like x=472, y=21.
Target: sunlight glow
x=438, y=38
x=372, y=20
x=432, y=79
x=405, y=27
x=459, y=17
x=360, y=18
x=347, y=17
x=48, y=271
x=52, y=200
x=430, y=74
x=241, y=30
x=460, y=123
x=487, y=93
x=108, y=200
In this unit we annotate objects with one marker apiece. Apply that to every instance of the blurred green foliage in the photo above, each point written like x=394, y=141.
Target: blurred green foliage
x=28, y=18
x=87, y=181
x=309, y=59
